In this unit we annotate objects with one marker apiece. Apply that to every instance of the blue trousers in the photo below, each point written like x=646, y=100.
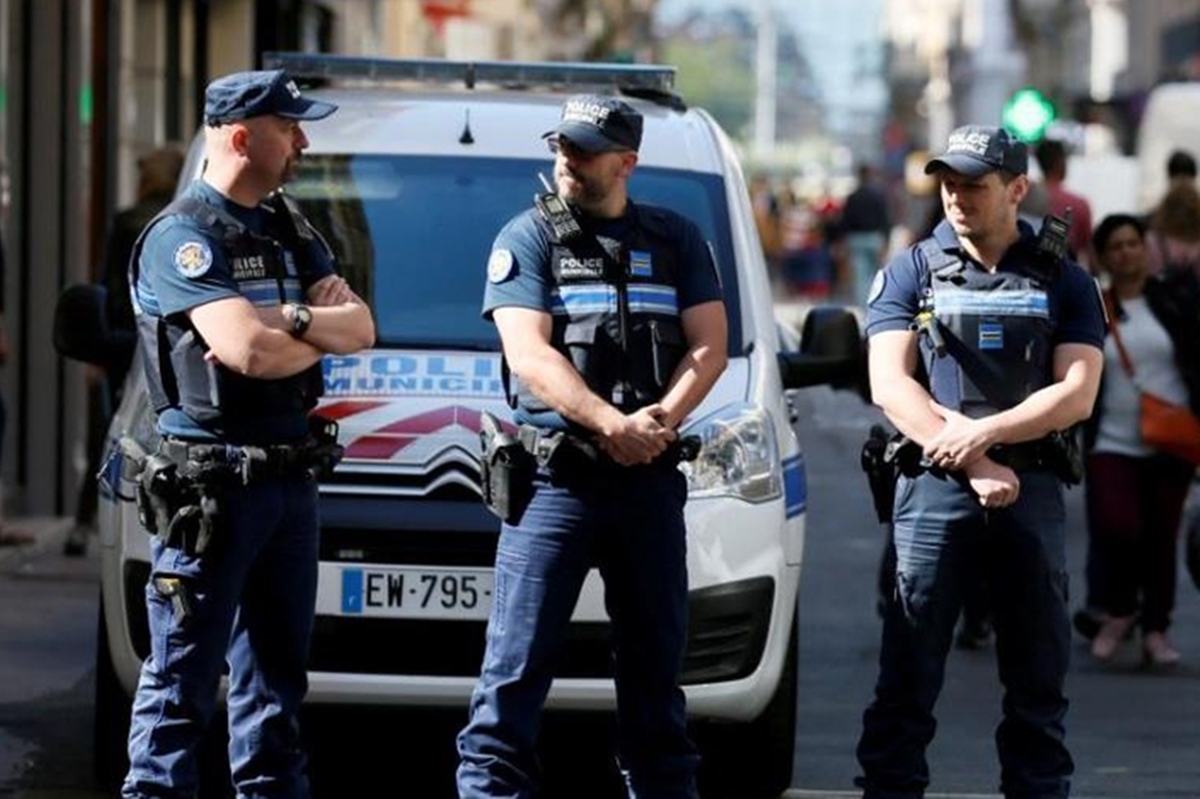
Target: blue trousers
x=252, y=598
x=940, y=528
x=628, y=523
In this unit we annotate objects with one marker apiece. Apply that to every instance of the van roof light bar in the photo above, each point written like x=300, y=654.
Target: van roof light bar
x=632, y=78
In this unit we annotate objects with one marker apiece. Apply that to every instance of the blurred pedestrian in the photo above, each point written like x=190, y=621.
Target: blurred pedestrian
x=982, y=348
x=158, y=173
x=1173, y=240
x=8, y=537
x=1052, y=158
x=1181, y=168
x=866, y=224
x=766, y=218
x=1135, y=494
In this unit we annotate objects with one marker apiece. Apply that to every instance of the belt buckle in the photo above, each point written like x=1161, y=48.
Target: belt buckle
x=545, y=446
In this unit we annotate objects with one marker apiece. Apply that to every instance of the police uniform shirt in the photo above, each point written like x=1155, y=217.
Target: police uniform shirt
x=519, y=270
x=183, y=267
x=1076, y=311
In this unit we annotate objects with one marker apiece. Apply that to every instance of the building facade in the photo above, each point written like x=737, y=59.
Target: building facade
x=109, y=80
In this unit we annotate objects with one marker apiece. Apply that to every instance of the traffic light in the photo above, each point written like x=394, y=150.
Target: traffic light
x=1027, y=114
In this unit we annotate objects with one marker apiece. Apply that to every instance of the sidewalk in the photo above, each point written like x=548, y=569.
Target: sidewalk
x=47, y=532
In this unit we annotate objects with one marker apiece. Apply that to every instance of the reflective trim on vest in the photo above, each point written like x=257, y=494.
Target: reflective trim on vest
x=585, y=304
x=575, y=300
x=1020, y=302
x=998, y=329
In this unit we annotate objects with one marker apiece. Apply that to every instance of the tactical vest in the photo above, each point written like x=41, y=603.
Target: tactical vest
x=217, y=398
x=997, y=330
x=616, y=316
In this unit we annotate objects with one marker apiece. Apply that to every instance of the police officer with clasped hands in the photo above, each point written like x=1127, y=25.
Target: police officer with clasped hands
x=236, y=301
x=612, y=323
x=985, y=344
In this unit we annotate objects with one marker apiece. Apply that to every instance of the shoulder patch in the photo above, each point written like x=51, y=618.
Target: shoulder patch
x=500, y=265
x=877, y=286
x=193, y=258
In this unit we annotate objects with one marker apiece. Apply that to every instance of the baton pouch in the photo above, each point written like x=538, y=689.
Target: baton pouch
x=506, y=471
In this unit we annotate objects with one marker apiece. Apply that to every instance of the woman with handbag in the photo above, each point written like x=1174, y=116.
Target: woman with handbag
x=1135, y=488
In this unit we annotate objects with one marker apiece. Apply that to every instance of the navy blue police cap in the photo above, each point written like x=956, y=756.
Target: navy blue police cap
x=599, y=124
x=243, y=95
x=975, y=150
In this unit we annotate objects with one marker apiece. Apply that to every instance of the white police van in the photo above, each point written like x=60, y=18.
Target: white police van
x=409, y=181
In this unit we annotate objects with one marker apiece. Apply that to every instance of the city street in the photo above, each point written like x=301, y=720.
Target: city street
x=1133, y=732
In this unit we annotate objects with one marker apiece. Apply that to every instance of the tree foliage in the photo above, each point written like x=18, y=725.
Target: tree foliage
x=717, y=75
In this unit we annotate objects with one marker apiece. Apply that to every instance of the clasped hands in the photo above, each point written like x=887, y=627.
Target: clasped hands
x=640, y=437
x=962, y=445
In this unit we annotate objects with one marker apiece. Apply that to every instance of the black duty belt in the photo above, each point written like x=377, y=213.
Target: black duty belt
x=551, y=448
x=911, y=460
x=1026, y=455
x=246, y=464
x=558, y=448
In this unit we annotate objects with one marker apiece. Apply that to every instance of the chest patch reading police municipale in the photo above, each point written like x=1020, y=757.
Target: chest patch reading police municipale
x=193, y=258
x=251, y=267
x=500, y=265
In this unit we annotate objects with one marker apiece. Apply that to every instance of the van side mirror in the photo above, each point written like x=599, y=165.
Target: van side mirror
x=81, y=324
x=831, y=352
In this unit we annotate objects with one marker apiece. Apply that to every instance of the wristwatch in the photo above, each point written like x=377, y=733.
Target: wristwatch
x=301, y=319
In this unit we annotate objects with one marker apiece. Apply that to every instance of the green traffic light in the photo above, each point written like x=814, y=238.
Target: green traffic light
x=1027, y=114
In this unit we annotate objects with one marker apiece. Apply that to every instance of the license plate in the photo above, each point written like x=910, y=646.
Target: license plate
x=417, y=592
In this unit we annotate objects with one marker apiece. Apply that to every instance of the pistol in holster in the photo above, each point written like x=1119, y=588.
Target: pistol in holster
x=1064, y=456
x=324, y=450
x=178, y=504
x=879, y=462
x=506, y=471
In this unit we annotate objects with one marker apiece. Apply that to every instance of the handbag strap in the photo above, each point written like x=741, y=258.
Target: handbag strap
x=1115, y=326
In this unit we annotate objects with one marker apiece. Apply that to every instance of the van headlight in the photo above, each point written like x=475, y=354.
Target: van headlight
x=738, y=457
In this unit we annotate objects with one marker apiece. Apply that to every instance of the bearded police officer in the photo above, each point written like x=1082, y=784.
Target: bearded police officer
x=985, y=344
x=612, y=324
x=236, y=302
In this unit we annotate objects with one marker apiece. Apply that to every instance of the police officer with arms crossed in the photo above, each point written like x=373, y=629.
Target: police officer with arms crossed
x=984, y=344
x=614, y=333
x=236, y=301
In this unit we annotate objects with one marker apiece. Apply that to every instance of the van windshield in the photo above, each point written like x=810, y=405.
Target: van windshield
x=412, y=234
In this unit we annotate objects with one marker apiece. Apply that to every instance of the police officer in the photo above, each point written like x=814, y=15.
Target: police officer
x=236, y=301
x=611, y=321
x=984, y=344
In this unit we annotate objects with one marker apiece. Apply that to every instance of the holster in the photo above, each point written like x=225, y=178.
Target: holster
x=181, y=509
x=880, y=464
x=506, y=471
x=1059, y=452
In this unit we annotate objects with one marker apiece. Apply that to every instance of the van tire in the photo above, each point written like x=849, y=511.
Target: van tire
x=754, y=760
x=110, y=723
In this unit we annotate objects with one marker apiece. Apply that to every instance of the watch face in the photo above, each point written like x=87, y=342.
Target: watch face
x=301, y=320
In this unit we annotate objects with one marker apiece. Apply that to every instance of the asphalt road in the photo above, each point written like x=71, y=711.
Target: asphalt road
x=1133, y=732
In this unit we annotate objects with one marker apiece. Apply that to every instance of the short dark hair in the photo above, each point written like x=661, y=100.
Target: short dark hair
x=1110, y=224
x=1051, y=155
x=1181, y=164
